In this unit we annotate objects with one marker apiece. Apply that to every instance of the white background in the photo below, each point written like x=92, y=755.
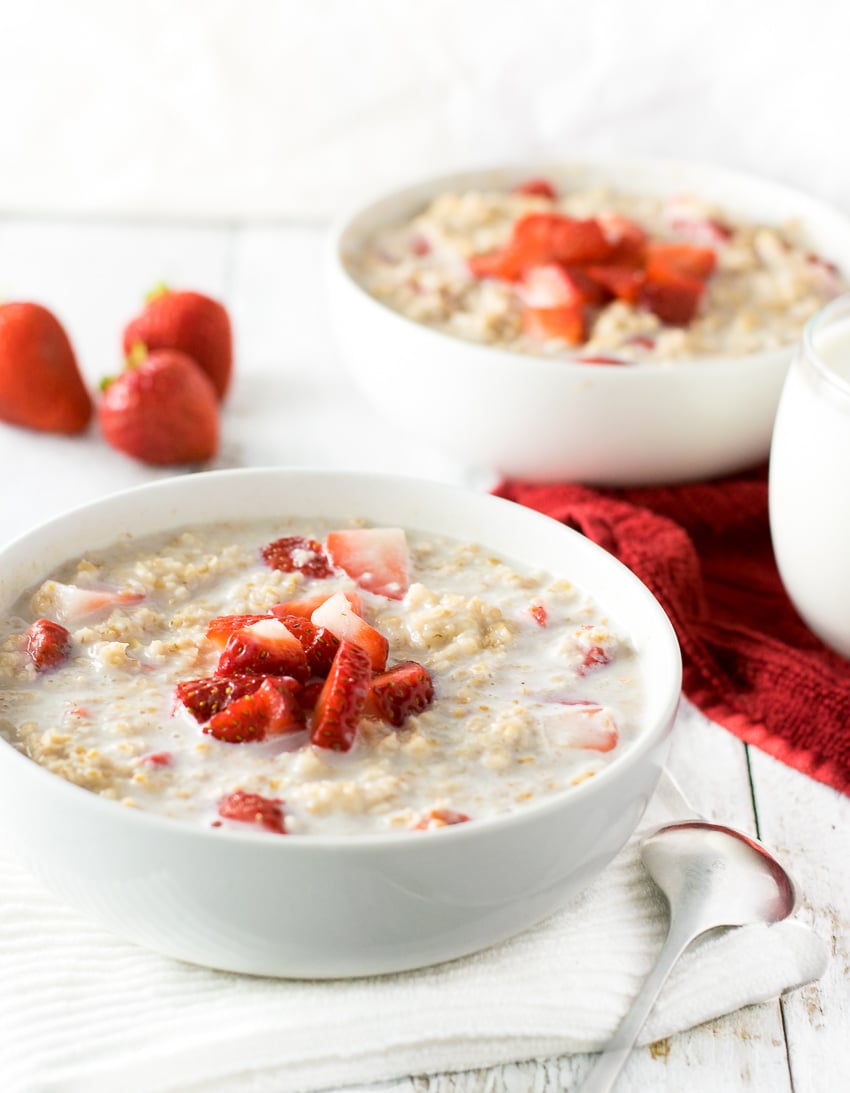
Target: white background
x=223, y=109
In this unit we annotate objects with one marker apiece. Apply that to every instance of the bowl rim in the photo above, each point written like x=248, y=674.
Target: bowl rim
x=663, y=632
x=346, y=220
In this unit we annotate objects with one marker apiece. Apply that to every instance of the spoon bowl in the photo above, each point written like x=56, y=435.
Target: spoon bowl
x=711, y=876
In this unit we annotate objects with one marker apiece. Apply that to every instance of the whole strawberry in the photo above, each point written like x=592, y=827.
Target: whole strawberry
x=190, y=322
x=162, y=411
x=40, y=382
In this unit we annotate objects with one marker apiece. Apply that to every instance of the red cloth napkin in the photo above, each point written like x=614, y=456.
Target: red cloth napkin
x=750, y=663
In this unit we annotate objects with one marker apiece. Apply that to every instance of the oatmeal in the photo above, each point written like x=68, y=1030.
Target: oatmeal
x=315, y=679
x=596, y=275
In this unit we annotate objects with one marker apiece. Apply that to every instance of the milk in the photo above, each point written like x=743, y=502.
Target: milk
x=810, y=479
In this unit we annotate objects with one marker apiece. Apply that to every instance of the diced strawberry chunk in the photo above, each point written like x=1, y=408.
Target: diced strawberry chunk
x=553, y=286
x=47, y=644
x=440, y=817
x=377, y=559
x=675, y=302
x=596, y=652
x=336, y=616
x=627, y=239
x=621, y=281
x=566, y=323
x=308, y=604
x=590, y=726
x=504, y=265
x=296, y=554
x=158, y=759
x=264, y=648
x=205, y=697
x=74, y=603
x=271, y=710
x=537, y=187
x=546, y=237
x=318, y=643
x=251, y=808
x=222, y=626
x=537, y=610
x=403, y=690
x=600, y=358
x=665, y=260
x=308, y=696
x=707, y=231
x=341, y=701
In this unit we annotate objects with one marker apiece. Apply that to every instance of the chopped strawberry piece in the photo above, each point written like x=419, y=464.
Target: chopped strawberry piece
x=601, y=359
x=621, y=281
x=158, y=759
x=308, y=604
x=376, y=558
x=553, y=286
x=538, y=612
x=222, y=626
x=403, y=690
x=205, y=697
x=595, y=657
x=318, y=643
x=567, y=323
x=264, y=648
x=251, y=808
x=537, y=187
x=271, y=710
x=440, y=817
x=336, y=616
x=47, y=644
x=74, y=603
x=308, y=696
x=295, y=554
x=675, y=302
x=707, y=231
x=420, y=246
x=591, y=727
x=664, y=261
x=642, y=341
x=504, y=265
x=341, y=701
x=627, y=239
x=546, y=237
x=596, y=652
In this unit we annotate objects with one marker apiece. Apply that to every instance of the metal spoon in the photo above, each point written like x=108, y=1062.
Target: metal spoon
x=712, y=876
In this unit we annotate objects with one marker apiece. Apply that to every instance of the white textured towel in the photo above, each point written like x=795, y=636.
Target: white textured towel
x=84, y=1012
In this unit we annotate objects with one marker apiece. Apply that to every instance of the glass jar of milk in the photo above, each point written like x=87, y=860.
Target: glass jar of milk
x=810, y=477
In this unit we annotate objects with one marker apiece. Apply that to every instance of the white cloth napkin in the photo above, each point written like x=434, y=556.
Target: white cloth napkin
x=83, y=1012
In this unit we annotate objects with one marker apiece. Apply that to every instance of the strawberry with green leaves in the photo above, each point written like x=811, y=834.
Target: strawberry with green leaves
x=191, y=323
x=40, y=382
x=162, y=410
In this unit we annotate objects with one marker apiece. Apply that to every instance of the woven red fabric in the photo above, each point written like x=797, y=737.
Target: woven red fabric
x=750, y=663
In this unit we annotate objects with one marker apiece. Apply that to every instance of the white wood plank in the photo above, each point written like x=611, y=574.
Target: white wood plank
x=808, y=825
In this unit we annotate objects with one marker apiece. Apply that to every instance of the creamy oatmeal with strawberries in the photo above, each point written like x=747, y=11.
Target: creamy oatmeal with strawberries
x=595, y=275
x=315, y=678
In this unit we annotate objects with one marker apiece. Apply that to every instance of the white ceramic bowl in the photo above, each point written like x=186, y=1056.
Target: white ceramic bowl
x=322, y=906
x=547, y=419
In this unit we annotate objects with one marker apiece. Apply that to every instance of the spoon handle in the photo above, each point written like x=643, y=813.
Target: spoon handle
x=613, y=1058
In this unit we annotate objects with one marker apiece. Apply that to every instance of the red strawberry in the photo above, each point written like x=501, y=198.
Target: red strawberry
x=163, y=411
x=567, y=323
x=319, y=644
x=308, y=604
x=537, y=187
x=621, y=281
x=40, y=382
x=205, y=697
x=547, y=237
x=73, y=603
x=308, y=696
x=158, y=759
x=271, y=710
x=336, y=616
x=538, y=612
x=340, y=703
x=675, y=301
x=403, y=690
x=553, y=286
x=265, y=648
x=627, y=239
x=47, y=644
x=440, y=817
x=293, y=554
x=665, y=260
x=251, y=808
x=376, y=558
x=222, y=626
x=191, y=323
x=601, y=359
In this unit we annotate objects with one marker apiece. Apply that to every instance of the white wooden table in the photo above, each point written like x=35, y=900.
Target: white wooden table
x=292, y=403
